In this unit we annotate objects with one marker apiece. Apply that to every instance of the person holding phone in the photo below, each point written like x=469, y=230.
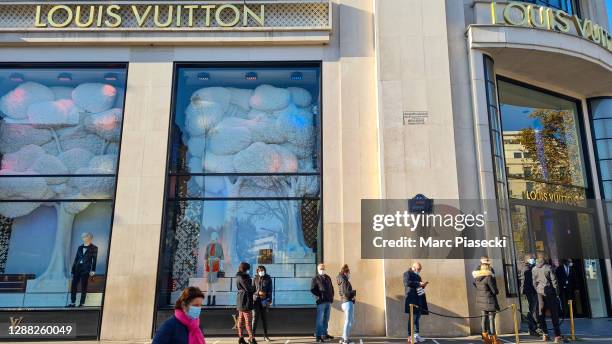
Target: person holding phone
x=347, y=296
x=415, y=295
x=263, y=300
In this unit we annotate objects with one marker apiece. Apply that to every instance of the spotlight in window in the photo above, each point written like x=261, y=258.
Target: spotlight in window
x=204, y=76
x=16, y=77
x=65, y=77
x=111, y=77
x=251, y=76
x=297, y=76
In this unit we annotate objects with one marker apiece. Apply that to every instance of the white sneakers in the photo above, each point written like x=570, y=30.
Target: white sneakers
x=418, y=338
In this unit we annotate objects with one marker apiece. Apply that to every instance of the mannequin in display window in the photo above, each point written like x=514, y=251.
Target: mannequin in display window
x=213, y=265
x=83, y=268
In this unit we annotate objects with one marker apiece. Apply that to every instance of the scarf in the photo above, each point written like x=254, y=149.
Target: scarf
x=193, y=325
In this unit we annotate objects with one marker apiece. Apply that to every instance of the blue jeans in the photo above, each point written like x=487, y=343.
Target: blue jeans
x=349, y=318
x=323, y=310
x=416, y=316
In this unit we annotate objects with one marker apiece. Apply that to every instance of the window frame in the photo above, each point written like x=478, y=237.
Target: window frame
x=169, y=175
x=80, y=65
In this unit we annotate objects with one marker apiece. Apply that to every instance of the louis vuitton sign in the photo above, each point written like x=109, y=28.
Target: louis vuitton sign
x=296, y=15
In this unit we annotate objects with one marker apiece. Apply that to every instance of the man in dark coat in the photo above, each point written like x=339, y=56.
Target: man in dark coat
x=567, y=279
x=415, y=295
x=527, y=289
x=83, y=267
x=545, y=284
x=263, y=299
x=323, y=291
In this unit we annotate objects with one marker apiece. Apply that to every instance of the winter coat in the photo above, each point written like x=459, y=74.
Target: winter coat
x=322, y=288
x=544, y=279
x=263, y=284
x=412, y=282
x=526, y=279
x=486, y=290
x=244, y=296
x=345, y=288
x=171, y=332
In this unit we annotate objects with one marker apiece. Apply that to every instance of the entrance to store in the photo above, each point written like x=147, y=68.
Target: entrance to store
x=563, y=236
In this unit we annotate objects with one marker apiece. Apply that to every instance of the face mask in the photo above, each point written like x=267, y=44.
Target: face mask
x=532, y=261
x=194, y=312
x=261, y=273
x=570, y=264
x=417, y=272
x=248, y=271
x=321, y=272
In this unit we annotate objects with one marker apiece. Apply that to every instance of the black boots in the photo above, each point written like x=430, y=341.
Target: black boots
x=208, y=300
x=214, y=300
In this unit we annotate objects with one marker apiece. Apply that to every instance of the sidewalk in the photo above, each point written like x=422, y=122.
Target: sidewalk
x=587, y=331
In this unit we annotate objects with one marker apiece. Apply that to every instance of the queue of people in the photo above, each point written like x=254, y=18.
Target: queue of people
x=538, y=282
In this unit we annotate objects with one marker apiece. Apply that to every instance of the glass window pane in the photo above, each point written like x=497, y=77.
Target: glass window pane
x=603, y=128
x=244, y=183
x=60, y=130
x=604, y=149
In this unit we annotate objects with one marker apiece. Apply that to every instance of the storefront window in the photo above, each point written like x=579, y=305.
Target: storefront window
x=60, y=130
x=244, y=181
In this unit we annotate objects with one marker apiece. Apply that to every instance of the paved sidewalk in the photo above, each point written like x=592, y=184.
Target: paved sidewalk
x=587, y=331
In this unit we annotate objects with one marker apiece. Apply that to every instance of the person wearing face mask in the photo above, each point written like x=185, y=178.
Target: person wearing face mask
x=486, y=300
x=347, y=295
x=415, y=295
x=323, y=291
x=545, y=284
x=244, y=302
x=566, y=275
x=184, y=326
x=527, y=289
x=263, y=300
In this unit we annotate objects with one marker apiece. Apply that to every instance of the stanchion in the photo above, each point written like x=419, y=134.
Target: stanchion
x=571, y=311
x=516, y=324
x=411, y=323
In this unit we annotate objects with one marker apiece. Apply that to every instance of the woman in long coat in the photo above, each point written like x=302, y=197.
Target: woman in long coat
x=244, y=302
x=486, y=300
x=415, y=295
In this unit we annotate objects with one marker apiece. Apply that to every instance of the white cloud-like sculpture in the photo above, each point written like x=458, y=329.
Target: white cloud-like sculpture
x=15, y=104
x=15, y=136
x=219, y=163
x=197, y=146
x=22, y=159
x=62, y=92
x=219, y=95
x=240, y=97
x=300, y=96
x=296, y=125
x=107, y=124
x=200, y=116
x=94, y=97
x=49, y=164
x=227, y=139
x=53, y=114
x=270, y=98
x=75, y=158
x=264, y=128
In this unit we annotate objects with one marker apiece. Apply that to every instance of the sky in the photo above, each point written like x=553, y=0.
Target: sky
x=609, y=7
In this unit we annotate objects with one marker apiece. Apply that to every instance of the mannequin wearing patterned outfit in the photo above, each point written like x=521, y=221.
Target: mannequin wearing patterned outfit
x=212, y=265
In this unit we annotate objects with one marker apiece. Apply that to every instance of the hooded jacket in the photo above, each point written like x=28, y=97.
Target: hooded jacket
x=544, y=279
x=486, y=290
x=345, y=288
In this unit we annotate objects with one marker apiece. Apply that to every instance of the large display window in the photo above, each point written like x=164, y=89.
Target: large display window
x=60, y=132
x=244, y=181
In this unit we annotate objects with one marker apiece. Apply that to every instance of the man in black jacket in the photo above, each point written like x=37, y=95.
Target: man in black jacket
x=263, y=299
x=83, y=267
x=530, y=293
x=566, y=276
x=323, y=290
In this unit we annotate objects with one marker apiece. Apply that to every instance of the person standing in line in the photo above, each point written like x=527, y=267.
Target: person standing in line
x=545, y=284
x=347, y=296
x=527, y=289
x=263, y=300
x=244, y=302
x=184, y=326
x=415, y=295
x=566, y=276
x=323, y=291
x=486, y=300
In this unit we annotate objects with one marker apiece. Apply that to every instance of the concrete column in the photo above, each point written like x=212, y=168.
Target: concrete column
x=132, y=270
x=414, y=75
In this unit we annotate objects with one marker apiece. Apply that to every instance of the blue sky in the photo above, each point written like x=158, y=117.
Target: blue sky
x=609, y=6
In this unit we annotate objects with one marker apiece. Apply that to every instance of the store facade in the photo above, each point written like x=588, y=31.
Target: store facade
x=187, y=138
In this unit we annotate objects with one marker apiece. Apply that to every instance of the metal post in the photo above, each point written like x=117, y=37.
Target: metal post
x=516, y=324
x=411, y=323
x=571, y=309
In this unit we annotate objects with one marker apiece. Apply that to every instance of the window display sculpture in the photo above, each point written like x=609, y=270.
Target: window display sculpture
x=213, y=264
x=58, y=131
x=265, y=130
